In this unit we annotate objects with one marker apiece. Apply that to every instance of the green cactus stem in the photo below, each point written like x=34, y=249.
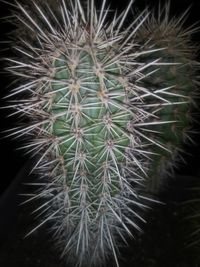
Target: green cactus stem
x=179, y=86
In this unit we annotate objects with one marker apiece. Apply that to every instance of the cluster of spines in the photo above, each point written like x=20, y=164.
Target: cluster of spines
x=84, y=82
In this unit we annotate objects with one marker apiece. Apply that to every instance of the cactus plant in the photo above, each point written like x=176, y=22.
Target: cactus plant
x=180, y=85
x=99, y=98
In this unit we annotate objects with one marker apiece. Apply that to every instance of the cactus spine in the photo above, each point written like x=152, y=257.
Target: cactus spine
x=86, y=86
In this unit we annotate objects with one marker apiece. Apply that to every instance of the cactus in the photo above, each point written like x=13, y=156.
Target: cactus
x=99, y=98
x=180, y=85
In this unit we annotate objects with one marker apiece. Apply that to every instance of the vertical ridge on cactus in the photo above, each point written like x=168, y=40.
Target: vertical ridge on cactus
x=90, y=89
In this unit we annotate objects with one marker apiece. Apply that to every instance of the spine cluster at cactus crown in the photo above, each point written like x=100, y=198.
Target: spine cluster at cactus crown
x=108, y=107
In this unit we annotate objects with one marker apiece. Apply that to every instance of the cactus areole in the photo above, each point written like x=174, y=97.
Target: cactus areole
x=96, y=113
